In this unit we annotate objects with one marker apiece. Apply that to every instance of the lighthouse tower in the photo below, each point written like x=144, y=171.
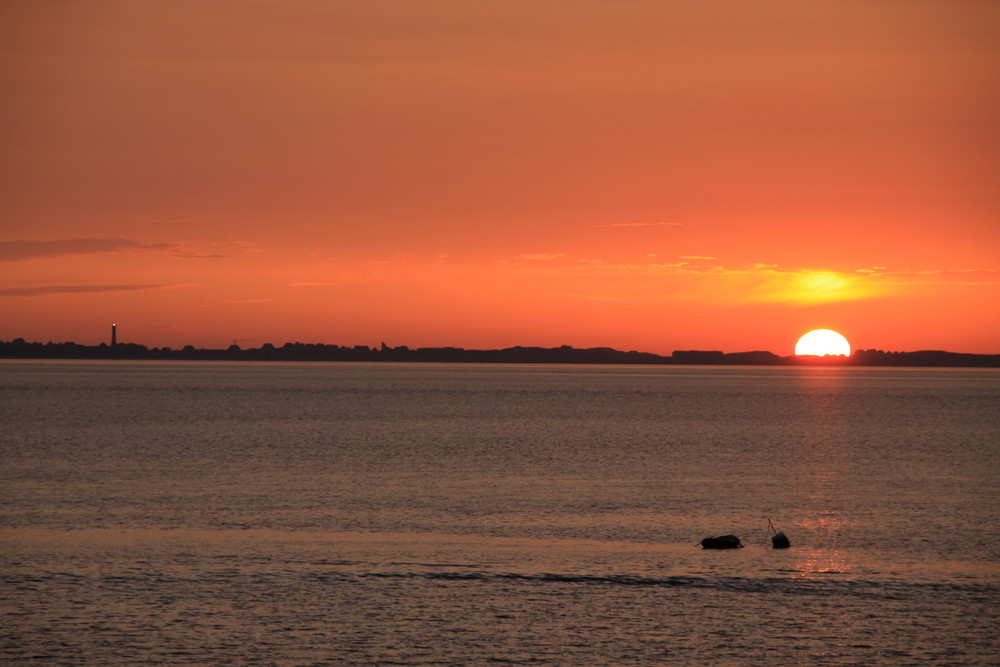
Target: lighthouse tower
x=114, y=334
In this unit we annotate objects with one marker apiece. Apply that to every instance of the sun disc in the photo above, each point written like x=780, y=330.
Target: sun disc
x=822, y=342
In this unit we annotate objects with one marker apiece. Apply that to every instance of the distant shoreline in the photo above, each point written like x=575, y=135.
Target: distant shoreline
x=20, y=349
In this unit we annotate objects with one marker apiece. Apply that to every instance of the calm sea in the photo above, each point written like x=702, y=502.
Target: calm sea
x=297, y=514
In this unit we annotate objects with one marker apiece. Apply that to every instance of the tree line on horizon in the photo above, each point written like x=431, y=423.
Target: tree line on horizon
x=565, y=354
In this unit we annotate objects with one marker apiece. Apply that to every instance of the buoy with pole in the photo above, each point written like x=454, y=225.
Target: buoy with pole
x=778, y=540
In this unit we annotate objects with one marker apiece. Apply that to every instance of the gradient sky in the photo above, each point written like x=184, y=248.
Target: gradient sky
x=655, y=175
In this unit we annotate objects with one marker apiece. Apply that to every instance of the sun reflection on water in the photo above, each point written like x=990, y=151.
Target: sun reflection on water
x=808, y=563
x=824, y=524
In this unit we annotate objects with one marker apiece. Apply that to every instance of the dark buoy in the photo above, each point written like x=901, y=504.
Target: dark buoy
x=778, y=540
x=721, y=542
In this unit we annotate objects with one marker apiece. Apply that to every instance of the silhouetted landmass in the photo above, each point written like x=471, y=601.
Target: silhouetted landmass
x=698, y=357
x=20, y=349
x=715, y=357
x=924, y=358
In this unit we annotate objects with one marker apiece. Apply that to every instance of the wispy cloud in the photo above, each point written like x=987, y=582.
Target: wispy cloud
x=708, y=282
x=193, y=249
x=73, y=289
x=542, y=257
x=644, y=224
x=202, y=249
x=933, y=276
x=771, y=284
x=19, y=250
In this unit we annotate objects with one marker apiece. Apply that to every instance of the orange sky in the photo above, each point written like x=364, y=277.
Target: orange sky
x=643, y=175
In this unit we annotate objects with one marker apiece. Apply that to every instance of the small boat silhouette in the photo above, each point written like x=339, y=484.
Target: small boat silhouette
x=721, y=542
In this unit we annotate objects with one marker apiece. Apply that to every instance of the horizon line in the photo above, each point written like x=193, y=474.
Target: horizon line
x=690, y=353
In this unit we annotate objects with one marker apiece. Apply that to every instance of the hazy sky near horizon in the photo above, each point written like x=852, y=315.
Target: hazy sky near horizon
x=644, y=175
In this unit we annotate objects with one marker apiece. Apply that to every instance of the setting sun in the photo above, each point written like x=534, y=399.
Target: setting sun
x=822, y=342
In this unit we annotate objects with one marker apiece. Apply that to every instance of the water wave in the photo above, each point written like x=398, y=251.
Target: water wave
x=792, y=586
